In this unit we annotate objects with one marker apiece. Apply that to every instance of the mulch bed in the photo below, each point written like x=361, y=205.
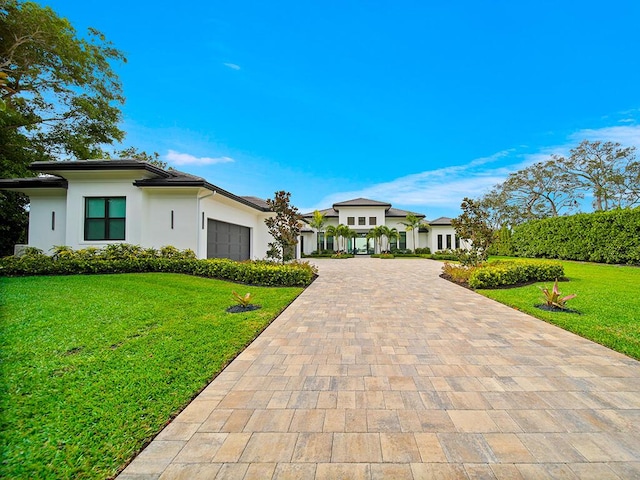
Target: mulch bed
x=241, y=309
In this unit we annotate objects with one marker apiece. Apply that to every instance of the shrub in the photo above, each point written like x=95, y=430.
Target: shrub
x=502, y=273
x=604, y=237
x=457, y=273
x=133, y=259
x=422, y=251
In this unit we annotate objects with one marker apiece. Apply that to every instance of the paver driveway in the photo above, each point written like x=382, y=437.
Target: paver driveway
x=383, y=370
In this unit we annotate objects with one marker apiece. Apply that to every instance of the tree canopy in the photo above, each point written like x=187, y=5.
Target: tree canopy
x=60, y=99
x=284, y=227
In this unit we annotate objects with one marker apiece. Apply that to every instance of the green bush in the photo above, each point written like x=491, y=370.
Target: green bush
x=603, y=237
x=497, y=274
x=457, y=273
x=422, y=251
x=125, y=258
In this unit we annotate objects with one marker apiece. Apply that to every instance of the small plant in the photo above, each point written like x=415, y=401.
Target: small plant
x=242, y=300
x=553, y=298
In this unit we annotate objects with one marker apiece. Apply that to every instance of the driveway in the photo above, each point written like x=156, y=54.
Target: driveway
x=381, y=369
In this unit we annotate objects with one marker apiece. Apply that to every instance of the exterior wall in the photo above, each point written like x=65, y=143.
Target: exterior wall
x=217, y=207
x=157, y=206
x=366, y=212
x=42, y=234
x=443, y=230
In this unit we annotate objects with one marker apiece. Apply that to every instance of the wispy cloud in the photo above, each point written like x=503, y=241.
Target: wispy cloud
x=232, y=66
x=443, y=189
x=178, y=158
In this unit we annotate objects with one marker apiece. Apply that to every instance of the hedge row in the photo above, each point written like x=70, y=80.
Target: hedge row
x=603, y=237
x=497, y=274
x=253, y=273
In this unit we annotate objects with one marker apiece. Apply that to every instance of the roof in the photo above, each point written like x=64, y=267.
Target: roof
x=362, y=202
x=33, y=182
x=396, y=212
x=440, y=221
x=257, y=201
x=159, y=177
x=80, y=165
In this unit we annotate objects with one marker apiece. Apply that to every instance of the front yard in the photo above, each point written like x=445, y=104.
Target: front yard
x=608, y=301
x=94, y=366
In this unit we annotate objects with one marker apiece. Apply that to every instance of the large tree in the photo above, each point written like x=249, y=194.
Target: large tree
x=284, y=227
x=607, y=170
x=412, y=223
x=60, y=99
x=318, y=222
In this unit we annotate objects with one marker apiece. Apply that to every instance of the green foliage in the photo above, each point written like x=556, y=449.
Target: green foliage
x=284, y=227
x=501, y=273
x=243, y=300
x=553, y=297
x=423, y=251
x=610, y=319
x=603, y=237
x=341, y=255
x=473, y=224
x=94, y=367
x=125, y=258
x=457, y=273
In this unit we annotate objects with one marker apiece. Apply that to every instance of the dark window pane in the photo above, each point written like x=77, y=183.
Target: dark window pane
x=94, y=229
x=116, y=229
x=362, y=220
x=351, y=220
x=372, y=220
x=96, y=208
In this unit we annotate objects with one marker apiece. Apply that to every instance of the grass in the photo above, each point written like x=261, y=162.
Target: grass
x=92, y=367
x=608, y=301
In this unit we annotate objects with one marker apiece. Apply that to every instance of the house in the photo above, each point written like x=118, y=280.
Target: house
x=92, y=203
x=362, y=214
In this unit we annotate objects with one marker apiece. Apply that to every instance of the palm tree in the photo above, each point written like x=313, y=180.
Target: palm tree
x=318, y=222
x=376, y=234
x=343, y=233
x=412, y=224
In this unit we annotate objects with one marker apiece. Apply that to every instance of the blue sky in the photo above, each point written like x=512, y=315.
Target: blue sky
x=418, y=103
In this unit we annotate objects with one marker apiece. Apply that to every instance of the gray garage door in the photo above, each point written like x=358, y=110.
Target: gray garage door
x=226, y=240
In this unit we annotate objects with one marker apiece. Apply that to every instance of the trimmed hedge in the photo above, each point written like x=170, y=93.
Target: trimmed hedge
x=253, y=273
x=602, y=237
x=497, y=274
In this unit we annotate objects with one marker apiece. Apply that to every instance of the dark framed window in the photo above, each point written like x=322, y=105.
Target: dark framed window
x=448, y=242
x=329, y=243
x=362, y=220
x=104, y=218
x=402, y=243
x=351, y=220
x=439, y=242
x=372, y=220
x=457, y=241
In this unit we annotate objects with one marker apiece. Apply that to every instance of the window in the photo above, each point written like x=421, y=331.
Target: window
x=320, y=244
x=104, y=218
x=372, y=220
x=362, y=220
x=457, y=241
x=351, y=220
x=439, y=242
x=329, y=243
x=449, y=242
x=402, y=244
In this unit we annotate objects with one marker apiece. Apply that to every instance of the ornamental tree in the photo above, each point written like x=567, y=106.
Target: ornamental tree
x=284, y=227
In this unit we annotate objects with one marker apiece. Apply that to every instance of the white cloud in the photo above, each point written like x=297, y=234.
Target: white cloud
x=232, y=66
x=627, y=135
x=177, y=158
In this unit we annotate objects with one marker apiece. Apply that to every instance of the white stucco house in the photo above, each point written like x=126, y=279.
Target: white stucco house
x=97, y=202
x=92, y=203
x=362, y=214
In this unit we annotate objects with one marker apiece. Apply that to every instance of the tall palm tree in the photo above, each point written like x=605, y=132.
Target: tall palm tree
x=412, y=223
x=376, y=234
x=318, y=222
x=343, y=233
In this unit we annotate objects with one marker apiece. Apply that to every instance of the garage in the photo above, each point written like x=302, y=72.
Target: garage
x=227, y=240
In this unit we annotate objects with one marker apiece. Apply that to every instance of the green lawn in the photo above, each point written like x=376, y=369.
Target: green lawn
x=94, y=366
x=608, y=300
